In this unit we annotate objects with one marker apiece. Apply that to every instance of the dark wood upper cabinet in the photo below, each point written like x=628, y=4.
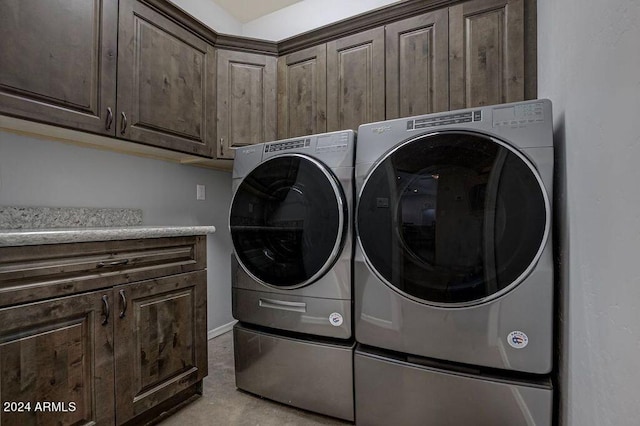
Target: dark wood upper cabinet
x=60, y=350
x=166, y=82
x=160, y=340
x=246, y=100
x=355, y=80
x=58, y=62
x=417, y=71
x=302, y=92
x=486, y=53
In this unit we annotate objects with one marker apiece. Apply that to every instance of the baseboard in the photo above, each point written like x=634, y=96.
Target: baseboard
x=220, y=330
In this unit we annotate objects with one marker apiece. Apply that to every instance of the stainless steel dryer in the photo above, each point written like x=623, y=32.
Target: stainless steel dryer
x=453, y=268
x=290, y=223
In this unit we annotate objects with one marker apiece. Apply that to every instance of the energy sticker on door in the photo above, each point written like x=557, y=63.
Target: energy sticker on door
x=517, y=339
x=336, y=319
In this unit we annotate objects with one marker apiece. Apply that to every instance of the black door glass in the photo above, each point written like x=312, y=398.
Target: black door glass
x=451, y=217
x=286, y=220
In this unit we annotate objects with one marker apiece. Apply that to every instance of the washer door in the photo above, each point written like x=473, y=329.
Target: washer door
x=287, y=221
x=453, y=218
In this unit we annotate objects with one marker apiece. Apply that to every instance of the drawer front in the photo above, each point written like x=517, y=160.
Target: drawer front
x=306, y=374
x=31, y=273
x=300, y=314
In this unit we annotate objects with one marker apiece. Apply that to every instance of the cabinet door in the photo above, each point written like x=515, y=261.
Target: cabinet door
x=486, y=52
x=246, y=100
x=355, y=80
x=166, y=77
x=302, y=92
x=58, y=351
x=160, y=340
x=417, y=72
x=58, y=62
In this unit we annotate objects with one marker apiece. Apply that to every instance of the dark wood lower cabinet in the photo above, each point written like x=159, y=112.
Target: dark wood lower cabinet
x=56, y=362
x=123, y=354
x=161, y=337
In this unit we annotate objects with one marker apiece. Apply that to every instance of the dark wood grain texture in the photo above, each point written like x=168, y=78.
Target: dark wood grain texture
x=362, y=22
x=144, y=342
x=486, y=53
x=302, y=92
x=222, y=41
x=530, y=49
x=246, y=100
x=160, y=341
x=31, y=273
x=58, y=62
x=58, y=351
x=166, y=82
x=355, y=80
x=417, y=72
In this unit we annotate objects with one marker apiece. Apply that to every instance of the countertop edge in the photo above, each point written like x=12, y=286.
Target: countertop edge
x=30, y=237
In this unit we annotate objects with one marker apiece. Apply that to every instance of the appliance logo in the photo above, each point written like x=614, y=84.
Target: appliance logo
x=380, y=130
x=248, y=151
x=335, y=319
x=517, y=339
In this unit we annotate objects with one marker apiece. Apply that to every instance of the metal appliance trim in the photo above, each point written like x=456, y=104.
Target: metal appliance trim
x=497, y=294
x=340, y=235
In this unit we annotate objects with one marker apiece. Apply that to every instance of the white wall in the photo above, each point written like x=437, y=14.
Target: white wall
x=287, y=22
x=36, y=172
x=210, y=14
x=588, y=65
x=305, y=16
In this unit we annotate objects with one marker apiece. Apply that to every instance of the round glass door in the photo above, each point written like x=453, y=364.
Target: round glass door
x=287, y=221
x=453, y=218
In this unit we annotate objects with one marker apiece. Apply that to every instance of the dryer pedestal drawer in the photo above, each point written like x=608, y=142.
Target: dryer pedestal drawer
x=393, y=392
x=301, y=314
x=310, y=375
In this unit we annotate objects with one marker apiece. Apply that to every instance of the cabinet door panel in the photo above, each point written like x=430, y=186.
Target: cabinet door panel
x=58, y=61
x=486, y=43
x=417, y=71
x=302, y=92
x=161, y=340
x=355, y=80
x=57, y=351
x=165, y=82
x=246, y=100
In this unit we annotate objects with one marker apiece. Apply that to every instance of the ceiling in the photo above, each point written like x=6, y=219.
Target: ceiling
x=248, y=10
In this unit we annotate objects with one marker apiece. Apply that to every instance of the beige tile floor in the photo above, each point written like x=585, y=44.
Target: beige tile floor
x=222, y=404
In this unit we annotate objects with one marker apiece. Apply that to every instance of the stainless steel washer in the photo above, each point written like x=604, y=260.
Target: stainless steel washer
x=453, y=261
x=290, y=222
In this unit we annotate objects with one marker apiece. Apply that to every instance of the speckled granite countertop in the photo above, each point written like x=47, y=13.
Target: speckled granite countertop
x=30, y=237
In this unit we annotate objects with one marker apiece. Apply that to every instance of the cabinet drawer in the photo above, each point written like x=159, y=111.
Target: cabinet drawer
x=29, y=273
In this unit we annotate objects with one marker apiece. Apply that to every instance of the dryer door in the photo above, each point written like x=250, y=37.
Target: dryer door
x=288, y=221
x=453, y=218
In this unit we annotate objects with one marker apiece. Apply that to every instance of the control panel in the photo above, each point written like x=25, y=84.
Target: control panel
x=442, y=120
x=332, y=142
x=290, y=144
x=518, y=115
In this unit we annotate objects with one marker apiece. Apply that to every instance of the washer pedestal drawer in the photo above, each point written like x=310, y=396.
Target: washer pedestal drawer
x=312, y=375
x=292, y=312
x=394, y=392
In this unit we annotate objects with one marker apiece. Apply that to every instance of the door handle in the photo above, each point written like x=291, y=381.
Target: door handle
x=123, y=124
x=283, y=305
x=109, y=121
x=124, y=303
x=116, y=263
x=105, y=309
